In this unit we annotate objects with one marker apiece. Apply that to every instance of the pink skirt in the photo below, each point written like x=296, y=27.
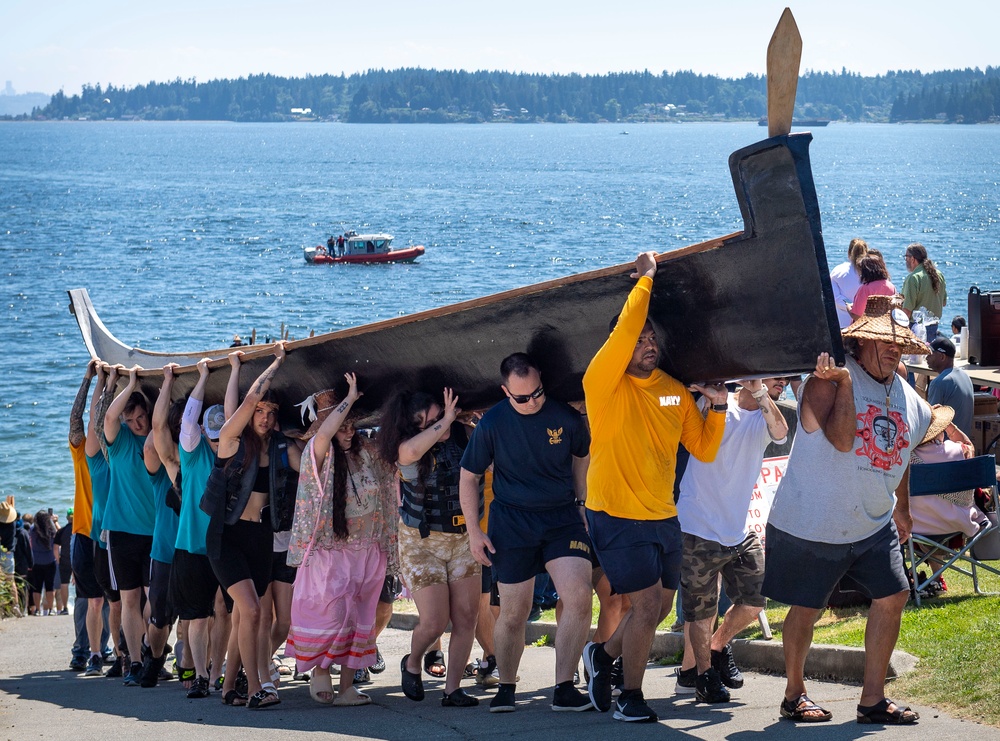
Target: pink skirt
x=333, y=608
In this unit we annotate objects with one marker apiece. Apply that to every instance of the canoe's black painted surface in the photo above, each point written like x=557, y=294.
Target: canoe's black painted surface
x=753, y=304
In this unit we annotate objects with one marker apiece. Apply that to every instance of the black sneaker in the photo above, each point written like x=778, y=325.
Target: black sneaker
x=535, y=614
x=709, y=687
x=95, y=667
x=632, y=708
x=570, y=699
x=77, y=664
x=134, y=674
x=151, y=670
x=617, y=677
x=599, y=684
x=199, y=688
x=504, y=700
x=729, y=673
x=117, y=670
x=687, y=681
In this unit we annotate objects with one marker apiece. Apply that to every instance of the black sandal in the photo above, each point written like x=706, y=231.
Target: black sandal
x=880, y=713
x=434, y=664
x=458, y=699
x=237, y=699
x=795, y=710
x=413, y=685
x=258, y=701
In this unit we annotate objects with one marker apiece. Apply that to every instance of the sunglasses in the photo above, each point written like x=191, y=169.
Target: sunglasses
x=524, y=399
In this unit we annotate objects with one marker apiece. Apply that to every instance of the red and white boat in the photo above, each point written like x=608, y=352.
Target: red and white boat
x=363, y=248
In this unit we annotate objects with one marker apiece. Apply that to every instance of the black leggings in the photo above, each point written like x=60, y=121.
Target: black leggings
x=245, y=554
x=42, y=575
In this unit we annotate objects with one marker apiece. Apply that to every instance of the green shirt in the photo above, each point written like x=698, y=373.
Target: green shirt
x=917, y=292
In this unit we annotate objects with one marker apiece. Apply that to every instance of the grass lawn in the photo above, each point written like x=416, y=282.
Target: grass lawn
x=954, y=636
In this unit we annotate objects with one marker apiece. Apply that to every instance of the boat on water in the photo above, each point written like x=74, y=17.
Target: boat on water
x=363, y=248
x=801, y=123
x=750, y=304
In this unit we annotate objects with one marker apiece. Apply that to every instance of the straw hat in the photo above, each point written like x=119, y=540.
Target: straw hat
x=884, y=321
x=941, y=417
x=8, y=513
x=315, y=408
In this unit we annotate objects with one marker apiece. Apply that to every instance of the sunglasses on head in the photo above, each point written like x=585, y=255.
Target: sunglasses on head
x=525, y=398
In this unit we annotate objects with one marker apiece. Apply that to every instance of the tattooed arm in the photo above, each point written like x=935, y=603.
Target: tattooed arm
x=76, y=433
x=229, y=437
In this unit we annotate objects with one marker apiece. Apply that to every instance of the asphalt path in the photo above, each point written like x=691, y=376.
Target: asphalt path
x=41, y=699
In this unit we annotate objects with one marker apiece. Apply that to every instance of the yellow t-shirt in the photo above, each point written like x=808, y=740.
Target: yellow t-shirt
x=83, y=497
x=487, y=498
x=636, y=424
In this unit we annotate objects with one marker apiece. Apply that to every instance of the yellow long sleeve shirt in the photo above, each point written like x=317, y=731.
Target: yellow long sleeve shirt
x=636, y=424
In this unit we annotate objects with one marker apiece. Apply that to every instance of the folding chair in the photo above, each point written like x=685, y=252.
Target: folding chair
x=932, y=479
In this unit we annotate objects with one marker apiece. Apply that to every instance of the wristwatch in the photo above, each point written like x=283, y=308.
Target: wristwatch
x=722, y=408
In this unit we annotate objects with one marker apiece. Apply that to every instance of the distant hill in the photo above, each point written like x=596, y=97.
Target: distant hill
x=20, y=105
x=445, y=96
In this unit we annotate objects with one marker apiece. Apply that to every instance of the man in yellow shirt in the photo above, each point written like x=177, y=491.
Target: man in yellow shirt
x=638, y=415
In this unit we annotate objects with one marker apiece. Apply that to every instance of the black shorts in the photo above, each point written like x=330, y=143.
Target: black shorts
x=65, y=572
x=42, y=576
x=192, y=586
x=392, y=587
x=161, y=613
x=636, y=554
x=102, y=573
x=280, y=570
x=526, y=540
x=81, y=551
x=245, y=554
x=875, y=563
x=129, y=560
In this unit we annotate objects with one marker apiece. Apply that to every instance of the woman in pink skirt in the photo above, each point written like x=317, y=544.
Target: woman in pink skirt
x=343, y=533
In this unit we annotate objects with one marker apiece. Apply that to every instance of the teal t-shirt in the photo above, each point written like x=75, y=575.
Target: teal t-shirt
x=192, y=528
x=100, y=481
x=165, y=529
x=130, y=506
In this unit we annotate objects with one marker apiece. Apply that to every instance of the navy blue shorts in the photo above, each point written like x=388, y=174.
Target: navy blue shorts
x=527, y=540
x=102, y=572
x=636, y=554
x=804, y=573
x=82, y=561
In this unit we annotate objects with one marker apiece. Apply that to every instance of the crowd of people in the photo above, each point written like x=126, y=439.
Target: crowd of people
x=215, y=526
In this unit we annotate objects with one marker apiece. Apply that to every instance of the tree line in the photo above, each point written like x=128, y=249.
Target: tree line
x=416, y=95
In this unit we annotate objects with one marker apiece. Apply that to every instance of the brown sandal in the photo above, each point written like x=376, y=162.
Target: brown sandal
x=797, y=710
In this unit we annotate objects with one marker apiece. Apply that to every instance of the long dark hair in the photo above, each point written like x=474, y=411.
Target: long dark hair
x=340, y=474
x=919, y=253
x=253, y=444
x=399, y=423
x=45, y=529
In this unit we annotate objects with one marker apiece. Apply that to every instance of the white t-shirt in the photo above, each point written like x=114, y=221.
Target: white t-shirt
x=714, y=497
x=846, y=282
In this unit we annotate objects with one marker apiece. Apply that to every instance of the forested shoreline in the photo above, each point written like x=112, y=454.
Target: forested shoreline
x=446, y=96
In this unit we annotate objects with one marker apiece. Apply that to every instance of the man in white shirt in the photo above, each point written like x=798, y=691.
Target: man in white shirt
x=712, y=508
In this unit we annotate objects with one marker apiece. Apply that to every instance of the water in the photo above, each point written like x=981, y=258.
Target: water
x=186, y=233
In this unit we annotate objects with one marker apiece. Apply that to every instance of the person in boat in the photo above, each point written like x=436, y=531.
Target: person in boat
x=343, y=535
x=924, y=288
x=341, y=240
x=874, y=282
x=130, y=514
x=638, y=414
x=246, y=497
x=539, y=450
x=846, y=280
x=420, y=436
x=712, y=505
x=835, y=509
x=331, y=244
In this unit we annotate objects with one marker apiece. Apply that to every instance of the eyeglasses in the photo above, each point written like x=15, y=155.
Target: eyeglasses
x=519, y=399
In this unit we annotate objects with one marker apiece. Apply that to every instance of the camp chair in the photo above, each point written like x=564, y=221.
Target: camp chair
x=932, y=479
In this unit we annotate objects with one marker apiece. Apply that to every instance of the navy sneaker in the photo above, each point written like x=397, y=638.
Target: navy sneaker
x=599, y=669
x=570, y=699
x=134, y=675
x=632, y=708
x=95, y=667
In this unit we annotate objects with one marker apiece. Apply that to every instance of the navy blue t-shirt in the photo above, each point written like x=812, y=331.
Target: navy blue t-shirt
x=532, y=453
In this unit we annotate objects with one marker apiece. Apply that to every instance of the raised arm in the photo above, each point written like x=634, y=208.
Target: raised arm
x=76, y=434
x=190, y=429
x=112, y=418
x=93, y=441
x=326, y=431
x=232, y=400
x=229, y=437
x=412, y=450
x=777, y=425
x=828, y=404
x=163, y=441
x=107, y=396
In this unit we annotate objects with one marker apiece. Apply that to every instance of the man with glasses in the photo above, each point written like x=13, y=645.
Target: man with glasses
x=538, y=448
x=638, y=414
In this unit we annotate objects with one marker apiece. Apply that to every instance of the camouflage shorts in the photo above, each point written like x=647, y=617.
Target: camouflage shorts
x=741, y=567
x=440, y=558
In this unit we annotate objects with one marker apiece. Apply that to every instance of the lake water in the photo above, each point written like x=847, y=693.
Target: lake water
x=187, y=233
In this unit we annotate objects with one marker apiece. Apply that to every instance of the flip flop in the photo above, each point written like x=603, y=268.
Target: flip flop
x=880, y=713
x=434, y=664
x=321, y=684
x=413, y=685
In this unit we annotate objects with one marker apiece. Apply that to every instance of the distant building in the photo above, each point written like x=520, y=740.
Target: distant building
x=8, y=89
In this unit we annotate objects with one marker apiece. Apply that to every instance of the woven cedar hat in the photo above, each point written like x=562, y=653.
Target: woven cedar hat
x=885, y=321
x=941, y=417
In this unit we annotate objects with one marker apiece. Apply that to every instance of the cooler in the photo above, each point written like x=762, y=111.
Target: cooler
x=984, y=327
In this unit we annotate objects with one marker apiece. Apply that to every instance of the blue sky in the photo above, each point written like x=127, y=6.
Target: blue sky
x=61, y=44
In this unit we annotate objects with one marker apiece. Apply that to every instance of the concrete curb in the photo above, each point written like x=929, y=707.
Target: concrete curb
x=842, y=663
